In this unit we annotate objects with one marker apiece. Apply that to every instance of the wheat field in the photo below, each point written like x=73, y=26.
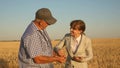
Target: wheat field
x=106, y=54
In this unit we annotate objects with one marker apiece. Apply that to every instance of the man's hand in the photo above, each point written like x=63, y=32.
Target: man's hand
x=61, y=59
x=61, y=53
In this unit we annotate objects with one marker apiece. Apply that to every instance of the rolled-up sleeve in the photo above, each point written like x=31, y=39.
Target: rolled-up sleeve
x=59, y=45
x=33, y=45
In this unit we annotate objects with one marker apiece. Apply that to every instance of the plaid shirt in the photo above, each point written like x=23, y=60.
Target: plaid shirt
x=34, y=42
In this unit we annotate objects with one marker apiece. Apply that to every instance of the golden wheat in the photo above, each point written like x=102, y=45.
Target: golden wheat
x=106, y=54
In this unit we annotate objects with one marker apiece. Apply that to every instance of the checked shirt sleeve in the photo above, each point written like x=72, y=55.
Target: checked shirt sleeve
x=33, y=45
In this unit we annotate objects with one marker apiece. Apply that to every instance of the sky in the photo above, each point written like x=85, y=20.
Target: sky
x=102, y=17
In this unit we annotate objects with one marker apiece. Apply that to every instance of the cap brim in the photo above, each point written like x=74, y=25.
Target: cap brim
x=50, y=20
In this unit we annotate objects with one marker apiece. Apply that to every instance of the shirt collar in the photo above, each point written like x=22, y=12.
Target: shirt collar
x=78, y=39
x=35, y=26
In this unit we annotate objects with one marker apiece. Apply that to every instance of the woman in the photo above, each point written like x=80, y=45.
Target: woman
x=78, y=46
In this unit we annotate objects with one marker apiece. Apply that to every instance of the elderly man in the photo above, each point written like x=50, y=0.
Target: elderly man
x=35, y=46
